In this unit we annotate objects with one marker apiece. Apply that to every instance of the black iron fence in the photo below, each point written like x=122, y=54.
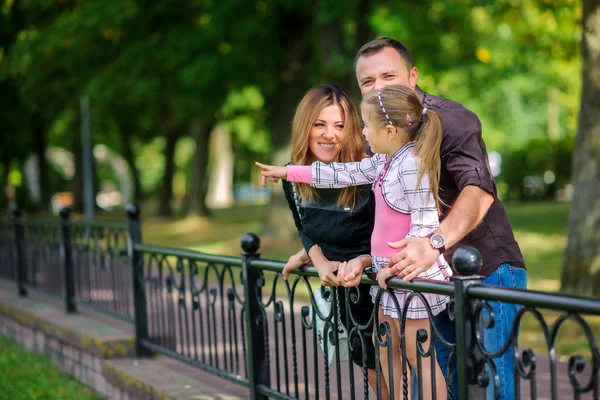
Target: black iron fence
x=84, y=262
x=239, y=319
x=8, y=268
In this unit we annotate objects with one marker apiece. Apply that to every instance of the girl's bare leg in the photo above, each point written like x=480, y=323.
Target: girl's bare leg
x=412, y=326
x=396, y=353
x=372, y=378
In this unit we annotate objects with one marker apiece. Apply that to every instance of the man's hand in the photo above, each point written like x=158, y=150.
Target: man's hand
x=416, y=256
x=294, y=262
x=274, y=173
x=350, y=272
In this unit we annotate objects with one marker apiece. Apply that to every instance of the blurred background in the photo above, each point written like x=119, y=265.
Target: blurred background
x=168, y=104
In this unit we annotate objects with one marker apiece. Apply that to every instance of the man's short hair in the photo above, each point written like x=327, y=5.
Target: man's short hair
x=375, y=46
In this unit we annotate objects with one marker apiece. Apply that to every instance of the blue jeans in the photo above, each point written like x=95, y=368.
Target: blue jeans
x=506, y=276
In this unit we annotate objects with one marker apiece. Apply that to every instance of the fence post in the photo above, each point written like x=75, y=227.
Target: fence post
x=67, y=257
x=253, y=279
x=467, y=261
x=19, y=249
x=137, y=277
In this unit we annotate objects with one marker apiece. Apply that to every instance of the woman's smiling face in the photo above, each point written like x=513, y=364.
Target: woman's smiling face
x=327, y=134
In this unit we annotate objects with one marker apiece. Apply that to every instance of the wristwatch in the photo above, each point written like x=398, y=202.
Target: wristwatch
x=437, y=241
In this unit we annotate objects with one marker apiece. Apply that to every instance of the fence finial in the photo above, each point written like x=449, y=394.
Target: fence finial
x=467, y=261
x=132, y=210
x=64, y=212
x=250, y=243
x=15, y=210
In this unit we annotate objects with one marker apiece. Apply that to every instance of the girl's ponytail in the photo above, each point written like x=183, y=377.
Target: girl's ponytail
x=428, y=141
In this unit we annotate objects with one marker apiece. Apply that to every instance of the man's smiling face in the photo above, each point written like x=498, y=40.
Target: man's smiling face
x=383, y=68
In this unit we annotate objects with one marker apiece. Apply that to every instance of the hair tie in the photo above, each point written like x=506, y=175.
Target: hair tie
x=389, y=120
x=424, y=110
x=408, y=120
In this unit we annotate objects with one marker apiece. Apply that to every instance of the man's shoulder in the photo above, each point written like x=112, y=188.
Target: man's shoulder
x=454, y=115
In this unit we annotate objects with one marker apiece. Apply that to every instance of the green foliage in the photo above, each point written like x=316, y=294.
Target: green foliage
x=524, y=169
x=28, y=376
x=153, y=67
x=498, y=58
x=151, y=163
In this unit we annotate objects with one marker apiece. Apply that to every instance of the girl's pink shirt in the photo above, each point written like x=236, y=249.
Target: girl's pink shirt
x=390, y=226
x=299, y=173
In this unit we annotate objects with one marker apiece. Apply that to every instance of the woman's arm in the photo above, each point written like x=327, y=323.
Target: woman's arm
x=301, y=257
x=325, y=268
x=294, y=205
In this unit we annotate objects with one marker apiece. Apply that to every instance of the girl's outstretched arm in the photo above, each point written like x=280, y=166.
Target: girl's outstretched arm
x=271, y=171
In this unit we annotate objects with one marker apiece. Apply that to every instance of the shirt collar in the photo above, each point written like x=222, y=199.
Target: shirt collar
x=403, y=151
x=420, y=93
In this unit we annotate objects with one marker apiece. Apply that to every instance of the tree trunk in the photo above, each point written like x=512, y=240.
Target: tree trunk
x=220, y=183
x=5, y=165
x=77, y=182
x=199, y=182
x=165, y=194
x=278, y=221
x=39, y=135
x=364, y=34
x=129, y=156
x=581, y=271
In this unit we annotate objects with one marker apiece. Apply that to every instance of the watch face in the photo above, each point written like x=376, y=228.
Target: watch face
x=437, y=241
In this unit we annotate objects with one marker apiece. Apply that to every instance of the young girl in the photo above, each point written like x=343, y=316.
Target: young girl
x=404, y=174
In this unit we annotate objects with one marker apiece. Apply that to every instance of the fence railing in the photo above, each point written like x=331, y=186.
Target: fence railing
x=8, y=269
x=83, y=262
x=239, y=319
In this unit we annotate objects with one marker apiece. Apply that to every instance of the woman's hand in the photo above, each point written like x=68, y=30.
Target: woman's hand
x=294, y=262
x=350, y=272
x=273, y=172
x=327, y=271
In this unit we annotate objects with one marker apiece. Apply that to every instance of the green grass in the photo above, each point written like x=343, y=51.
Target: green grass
x=219, y=234
x=25, y=375
x=541, y=230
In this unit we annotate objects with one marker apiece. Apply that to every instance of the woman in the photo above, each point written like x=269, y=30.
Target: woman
x=334, y=225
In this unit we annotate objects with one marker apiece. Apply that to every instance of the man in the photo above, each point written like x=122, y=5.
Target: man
x=474, y=217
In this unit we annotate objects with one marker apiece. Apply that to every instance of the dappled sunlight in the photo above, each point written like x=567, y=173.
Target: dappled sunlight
x=181, y=226
x=545, y=285
x=540, y=242
x=544, y=256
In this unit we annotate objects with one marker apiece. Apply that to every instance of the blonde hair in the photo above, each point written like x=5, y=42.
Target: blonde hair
x=425, y=128
x=352, y=146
